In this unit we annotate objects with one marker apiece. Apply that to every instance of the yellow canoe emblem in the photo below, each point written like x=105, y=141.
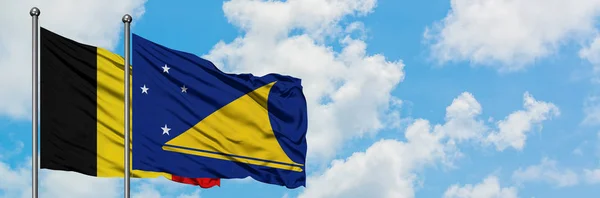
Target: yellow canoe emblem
x=240, y=132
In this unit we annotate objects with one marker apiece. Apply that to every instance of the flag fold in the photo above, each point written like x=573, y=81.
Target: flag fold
x=81, y=111
x=193, y=120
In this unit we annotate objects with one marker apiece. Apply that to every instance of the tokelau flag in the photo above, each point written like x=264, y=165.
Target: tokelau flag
x=81, y=118
x=193, y=120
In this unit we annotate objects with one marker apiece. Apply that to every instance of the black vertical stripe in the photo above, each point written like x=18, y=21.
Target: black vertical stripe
x=67, y=104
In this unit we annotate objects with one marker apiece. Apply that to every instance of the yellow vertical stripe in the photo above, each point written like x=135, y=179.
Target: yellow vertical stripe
x=110, y=118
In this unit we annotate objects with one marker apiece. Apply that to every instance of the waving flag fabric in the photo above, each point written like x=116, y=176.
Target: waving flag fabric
x=82, y=105
x=193, y=120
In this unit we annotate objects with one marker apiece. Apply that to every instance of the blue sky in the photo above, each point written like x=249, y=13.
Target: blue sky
x=432, y=98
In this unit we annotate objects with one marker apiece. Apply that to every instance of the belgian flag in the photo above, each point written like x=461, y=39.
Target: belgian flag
x=81, y=111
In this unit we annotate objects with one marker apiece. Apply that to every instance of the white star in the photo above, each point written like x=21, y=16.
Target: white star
x=166, y=69
x=165, y=130
x=184, y=89
x=145, y=89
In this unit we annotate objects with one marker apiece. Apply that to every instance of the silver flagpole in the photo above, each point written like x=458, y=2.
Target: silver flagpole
x=127, y=22
x=35, y=13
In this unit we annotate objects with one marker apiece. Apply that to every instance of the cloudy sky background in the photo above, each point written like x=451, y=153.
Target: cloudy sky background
x=431, y=98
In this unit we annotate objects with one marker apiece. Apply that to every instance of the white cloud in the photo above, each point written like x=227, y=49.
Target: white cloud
x=390, y=168
x=511, y=33
x=70, y=184
x=592, y=176
x=69, y=18
x=335, y=83
x=547, y=171
x=195, y=194
x=242, y=180
x=12, y=182
x=591, y=109
x=276, y=18
x=592, y=54
x=146, y=191
x=488, y=188
x=384, y=170
x=460, y=118
x=514, y=128
x=387, y=168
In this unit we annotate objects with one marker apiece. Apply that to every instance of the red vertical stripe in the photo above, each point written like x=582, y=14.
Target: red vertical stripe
x=202, y=182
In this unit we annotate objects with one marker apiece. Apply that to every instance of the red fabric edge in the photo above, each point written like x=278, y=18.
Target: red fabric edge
x=202, y=182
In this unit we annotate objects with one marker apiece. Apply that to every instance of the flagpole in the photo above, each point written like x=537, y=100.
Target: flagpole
x=127, y=22
x=35, y=13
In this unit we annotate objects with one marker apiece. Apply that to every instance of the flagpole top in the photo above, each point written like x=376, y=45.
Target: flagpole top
x=34, y=11
x=127, y=18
